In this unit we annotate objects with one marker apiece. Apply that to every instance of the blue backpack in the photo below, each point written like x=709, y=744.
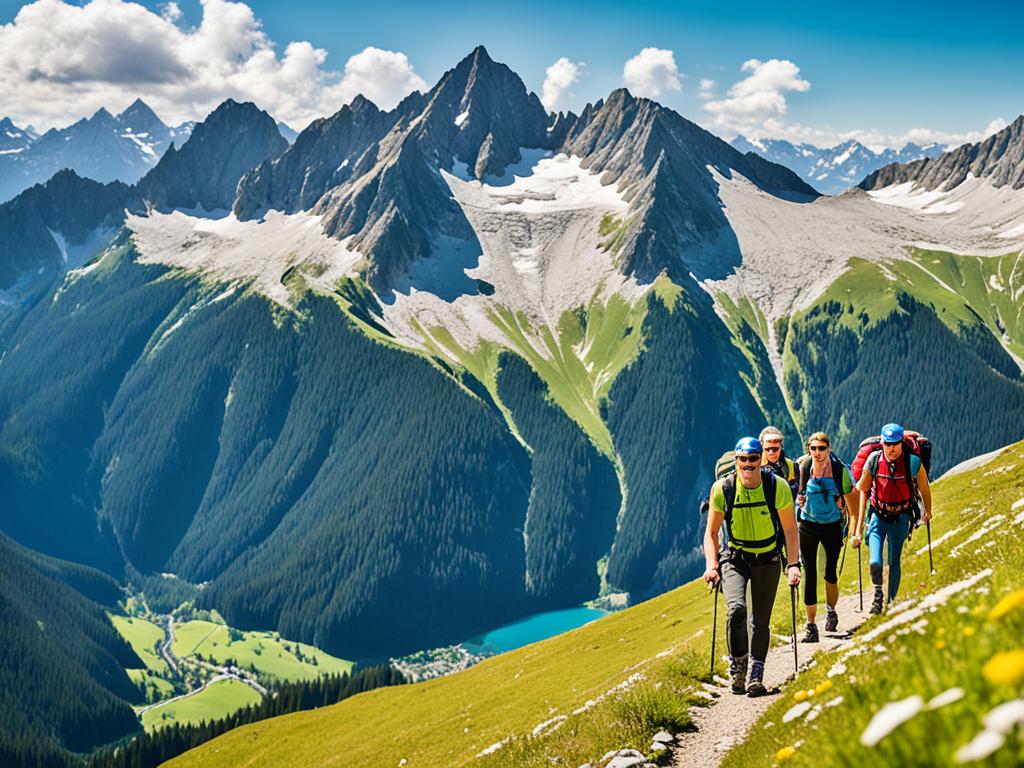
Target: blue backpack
x=807, y=512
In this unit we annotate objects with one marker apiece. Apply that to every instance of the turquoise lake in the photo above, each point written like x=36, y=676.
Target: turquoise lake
x=540, y=626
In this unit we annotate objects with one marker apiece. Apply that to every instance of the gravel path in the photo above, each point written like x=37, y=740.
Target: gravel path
x=729, y=719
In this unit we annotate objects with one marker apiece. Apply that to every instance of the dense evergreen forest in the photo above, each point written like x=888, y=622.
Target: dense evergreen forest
x=151, y=749
x=62, y=681
x=671, y=414
x=960, y=388
x=575, y=499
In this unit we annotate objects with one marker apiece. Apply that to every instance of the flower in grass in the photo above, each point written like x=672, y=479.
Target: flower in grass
x=940, y=644
x=1006, y=605
x=823, y=686
x=969, y=631
x=799, y=695
x=784, y=754
x=1005, y=667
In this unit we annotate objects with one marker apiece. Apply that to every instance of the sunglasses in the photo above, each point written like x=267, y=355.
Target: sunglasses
x=751, y=459
x=817, y=448
x=773, y=449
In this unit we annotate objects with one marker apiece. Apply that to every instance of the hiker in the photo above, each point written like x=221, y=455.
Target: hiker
x=775, y=458
x=753, y=506
x=825, y=495
x=889, y=485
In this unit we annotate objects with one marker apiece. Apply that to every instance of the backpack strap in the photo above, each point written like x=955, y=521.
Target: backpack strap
x=805, y=474
x=837, y=477
x=768, y=480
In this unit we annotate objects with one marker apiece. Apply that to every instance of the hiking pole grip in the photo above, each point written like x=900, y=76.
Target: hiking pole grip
x=792, y=602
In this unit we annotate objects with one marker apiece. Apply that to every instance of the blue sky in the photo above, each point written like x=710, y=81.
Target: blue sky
x=881, y=70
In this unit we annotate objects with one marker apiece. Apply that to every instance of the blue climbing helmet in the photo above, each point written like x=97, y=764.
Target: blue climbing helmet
x=747, y=445
x=892, y=433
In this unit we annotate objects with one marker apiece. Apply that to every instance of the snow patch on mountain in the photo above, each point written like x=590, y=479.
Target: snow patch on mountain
x=540, y=251
x=260, y=252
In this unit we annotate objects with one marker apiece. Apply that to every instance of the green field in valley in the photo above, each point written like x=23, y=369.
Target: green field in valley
x=267, y=652
x=218, y=699
x=144, y=637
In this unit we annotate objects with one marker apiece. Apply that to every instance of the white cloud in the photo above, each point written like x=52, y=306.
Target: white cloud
x=60, y=61
x=651, y=72
x=758, y=97
x=707, y=88
x=559, y=77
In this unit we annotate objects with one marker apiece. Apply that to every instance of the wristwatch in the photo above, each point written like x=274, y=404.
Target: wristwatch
x=799, y=566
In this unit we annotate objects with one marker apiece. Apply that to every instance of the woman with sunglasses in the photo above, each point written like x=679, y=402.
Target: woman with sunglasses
x=824, y=496
x=775, y=456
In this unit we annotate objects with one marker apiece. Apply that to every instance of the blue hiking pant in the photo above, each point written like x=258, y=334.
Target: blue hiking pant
x=896, y=532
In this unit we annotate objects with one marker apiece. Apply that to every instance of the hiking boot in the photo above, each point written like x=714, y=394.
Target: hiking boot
x=811, y=635
x=738, y=672
x=876, y=604
x=756, y=687
x=832, y=621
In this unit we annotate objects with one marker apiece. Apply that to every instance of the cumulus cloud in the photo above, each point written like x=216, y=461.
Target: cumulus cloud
x=651, y=72
x=59, y=61
x=707, y=88
x=559, y=77
x=758, y=97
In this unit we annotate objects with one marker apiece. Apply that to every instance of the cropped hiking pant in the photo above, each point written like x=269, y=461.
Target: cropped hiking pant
x=762, y=574
x=829, y=536
x=876, y=534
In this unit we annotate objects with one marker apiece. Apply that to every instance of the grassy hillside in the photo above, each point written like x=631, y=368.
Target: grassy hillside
x=662, y=646
x=912, y=341
x=955, y=635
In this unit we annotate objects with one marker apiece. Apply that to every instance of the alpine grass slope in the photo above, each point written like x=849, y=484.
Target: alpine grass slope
x=916, y=686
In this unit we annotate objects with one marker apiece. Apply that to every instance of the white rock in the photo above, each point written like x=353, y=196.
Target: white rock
x=626, y=758
x=664, y=736
x=657, y=746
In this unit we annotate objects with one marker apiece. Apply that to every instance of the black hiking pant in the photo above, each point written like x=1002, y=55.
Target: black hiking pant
x=829, y=536
x=762, y=573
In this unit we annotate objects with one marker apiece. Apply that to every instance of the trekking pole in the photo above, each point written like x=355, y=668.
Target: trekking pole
x=931, y=565
x=842, y=560
x=714, y=627
x=860, y=578
x=792, y=602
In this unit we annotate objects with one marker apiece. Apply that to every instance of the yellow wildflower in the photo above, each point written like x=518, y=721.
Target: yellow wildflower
x=1007, y=604
x=1005, y=668
x=940, y=644
x=799, y=695
x=968, y=631
x=823, y=686
x=784, y=754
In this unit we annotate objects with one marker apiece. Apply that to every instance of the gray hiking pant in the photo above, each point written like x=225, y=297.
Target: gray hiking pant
x=762, y=574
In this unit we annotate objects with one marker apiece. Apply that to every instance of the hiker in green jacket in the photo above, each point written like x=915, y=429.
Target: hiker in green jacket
x=751, y=505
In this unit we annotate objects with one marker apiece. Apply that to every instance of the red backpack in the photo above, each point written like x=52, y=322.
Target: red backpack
x=915, y=442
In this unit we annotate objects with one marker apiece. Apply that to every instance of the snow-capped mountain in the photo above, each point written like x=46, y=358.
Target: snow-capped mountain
x=14, y=140
x=102, y=147
x=833, y=169
x=999, y=159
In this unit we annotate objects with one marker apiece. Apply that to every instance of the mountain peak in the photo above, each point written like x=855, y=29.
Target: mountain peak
x=137, y=111
x=102, y=115
x=360, y=103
